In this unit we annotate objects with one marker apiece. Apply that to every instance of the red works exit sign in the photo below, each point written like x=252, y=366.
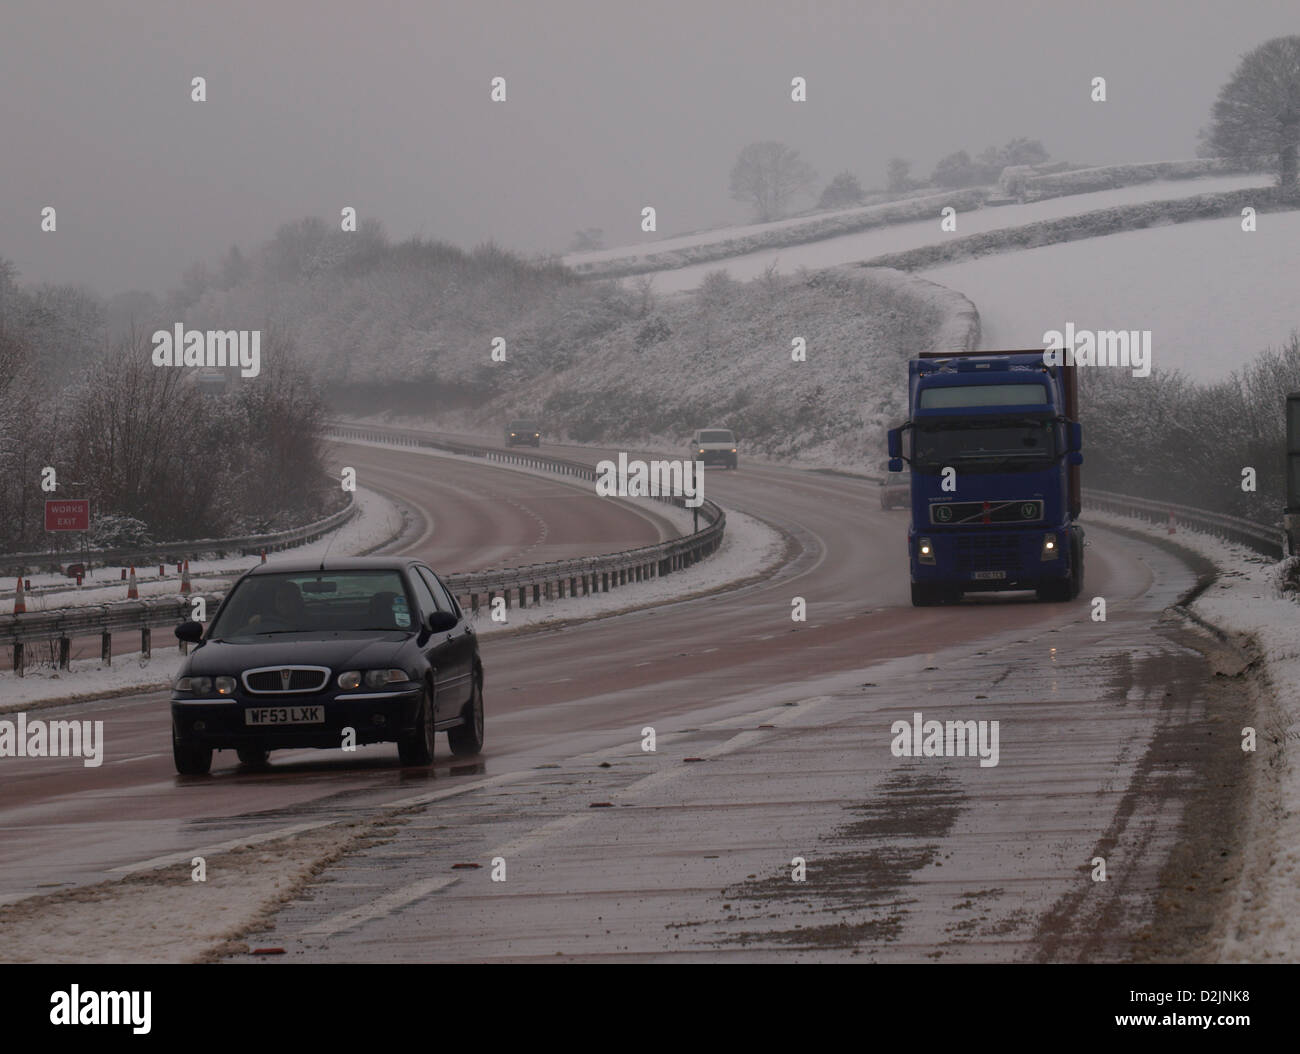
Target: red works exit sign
x=69, y=515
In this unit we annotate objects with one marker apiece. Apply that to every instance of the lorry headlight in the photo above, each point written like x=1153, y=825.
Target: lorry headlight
x=925, y=551
x=1050, y=548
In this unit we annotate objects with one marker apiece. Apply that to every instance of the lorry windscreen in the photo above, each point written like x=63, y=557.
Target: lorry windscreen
x=997, y=445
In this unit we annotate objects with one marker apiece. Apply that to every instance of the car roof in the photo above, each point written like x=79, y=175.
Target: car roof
x=337, y=563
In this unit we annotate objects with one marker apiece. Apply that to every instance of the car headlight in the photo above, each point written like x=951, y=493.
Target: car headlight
x=225, y=685
x=924, y=551
x=349, y=679
x=379, y=678
x=1050, y=549
x=197, y=685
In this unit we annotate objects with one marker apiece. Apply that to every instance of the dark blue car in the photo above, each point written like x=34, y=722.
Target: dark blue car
x=328, y=654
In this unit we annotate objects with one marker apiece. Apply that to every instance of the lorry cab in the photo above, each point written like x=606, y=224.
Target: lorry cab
x=993, y=450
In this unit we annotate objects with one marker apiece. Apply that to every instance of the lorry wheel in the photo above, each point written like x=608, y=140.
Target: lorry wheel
x=924, y=595
x=1076, y=567
x=1056, y=591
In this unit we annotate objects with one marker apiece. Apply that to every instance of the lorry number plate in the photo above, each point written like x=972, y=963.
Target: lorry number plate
x=989, y=574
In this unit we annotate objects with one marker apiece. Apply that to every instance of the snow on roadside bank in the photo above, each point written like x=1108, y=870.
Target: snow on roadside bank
x=749, y=547
x=378, y=520
x=1247, y=603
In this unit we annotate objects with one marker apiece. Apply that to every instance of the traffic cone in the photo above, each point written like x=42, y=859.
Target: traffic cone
x=263, y=556
x=131, y=592
x=162, y=571
x=185, y=578
x=1172, y=528
x=20, y=599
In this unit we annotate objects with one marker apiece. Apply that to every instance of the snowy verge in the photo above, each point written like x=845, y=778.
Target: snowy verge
x=1247, y=603
x=749, y=548
x=378, y=521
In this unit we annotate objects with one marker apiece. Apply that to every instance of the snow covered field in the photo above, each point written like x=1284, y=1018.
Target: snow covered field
x=1213, y=295
x=863, y=245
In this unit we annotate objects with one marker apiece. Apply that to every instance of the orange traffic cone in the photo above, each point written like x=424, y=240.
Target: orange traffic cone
x=185, y=578
x=131, y=592
x=20, y=599
x=1172, y=528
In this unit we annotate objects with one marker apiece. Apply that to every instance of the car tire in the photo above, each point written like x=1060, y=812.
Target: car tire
x=468, y=738
x=192, y=759
x=253, y=757
x=416, y=747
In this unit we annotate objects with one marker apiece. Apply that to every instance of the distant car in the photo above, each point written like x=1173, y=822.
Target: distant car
x=896, y=491
x=301, y=651
x=523, y=433
x=715, y=446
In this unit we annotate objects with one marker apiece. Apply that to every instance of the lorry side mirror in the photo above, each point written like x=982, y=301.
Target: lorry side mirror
x=895, y=437
x=895, y=464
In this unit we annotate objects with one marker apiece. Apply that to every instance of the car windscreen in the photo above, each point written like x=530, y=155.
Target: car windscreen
x=984, y=445
x=315, y=602
x=717, y=436
x=523, y=426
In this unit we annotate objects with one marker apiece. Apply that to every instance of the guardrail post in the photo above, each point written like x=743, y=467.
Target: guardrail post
x=537, y=594
x=604, y=581
x=573, y=586
x=146, y=642
x=65, y=653
x=473, y=603
x=106, y=648
x=18, y=658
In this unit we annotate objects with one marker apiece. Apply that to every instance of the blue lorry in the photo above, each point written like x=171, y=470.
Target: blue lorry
x=994, y=446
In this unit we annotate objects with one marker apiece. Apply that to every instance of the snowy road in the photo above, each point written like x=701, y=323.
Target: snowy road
x=1079, y=760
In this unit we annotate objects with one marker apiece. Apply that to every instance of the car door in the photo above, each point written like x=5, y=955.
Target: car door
x=440, y=651
x=459, y=643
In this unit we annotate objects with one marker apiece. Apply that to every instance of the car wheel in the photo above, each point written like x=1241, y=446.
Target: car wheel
x=191, y=758
x=468, y=738
x=416, y=746
x=253, y=757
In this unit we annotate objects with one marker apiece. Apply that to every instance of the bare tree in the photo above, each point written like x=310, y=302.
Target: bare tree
x=767, y=175
x=1257, y=113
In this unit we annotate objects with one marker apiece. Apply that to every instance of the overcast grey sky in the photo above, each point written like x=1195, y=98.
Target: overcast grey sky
x=612, y=105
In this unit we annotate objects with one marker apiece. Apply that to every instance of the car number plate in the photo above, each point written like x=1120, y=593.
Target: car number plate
x=285, y=715
x=989, y=574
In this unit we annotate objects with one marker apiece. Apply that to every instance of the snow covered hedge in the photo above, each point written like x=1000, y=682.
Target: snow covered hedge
x=1036, y=186
x=816, y=228
x=1090, y=225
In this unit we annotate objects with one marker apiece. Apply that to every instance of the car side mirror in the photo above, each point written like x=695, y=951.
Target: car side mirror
x=441, y=621
x=191, y=632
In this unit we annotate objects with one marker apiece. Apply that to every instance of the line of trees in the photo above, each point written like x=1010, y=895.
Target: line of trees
x=159, y=460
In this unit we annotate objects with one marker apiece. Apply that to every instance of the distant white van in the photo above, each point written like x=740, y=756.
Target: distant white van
x=715, y=446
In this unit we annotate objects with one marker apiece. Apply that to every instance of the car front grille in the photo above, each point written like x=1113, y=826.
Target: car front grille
x=286, y=680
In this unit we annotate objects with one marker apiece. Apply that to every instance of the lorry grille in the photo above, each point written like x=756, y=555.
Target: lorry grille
x=987, y=553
